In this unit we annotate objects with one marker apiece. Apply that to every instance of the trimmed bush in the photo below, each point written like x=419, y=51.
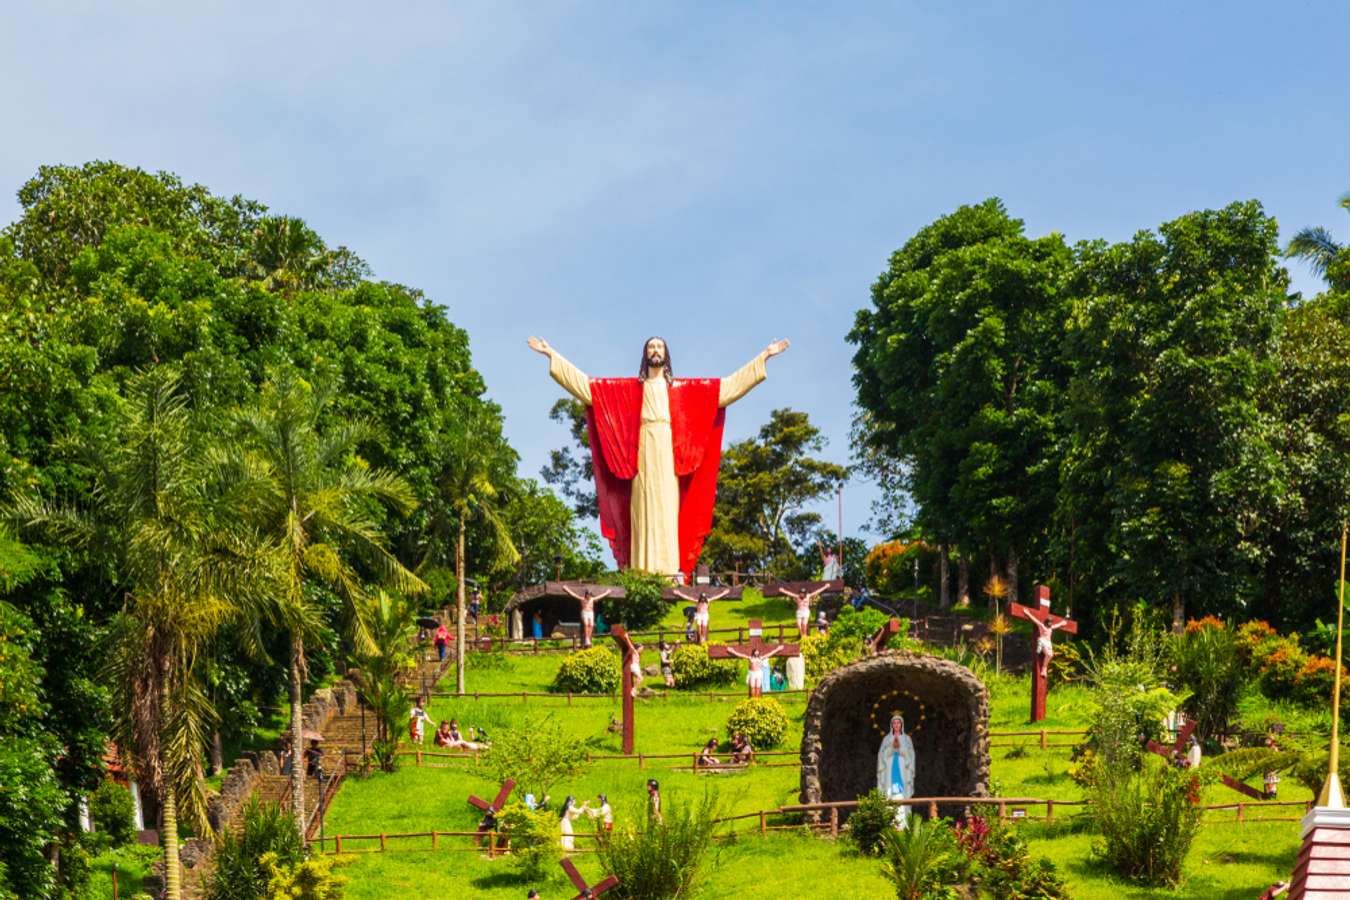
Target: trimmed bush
x=114, y=814
x=593, y=671
x=693, y=668
x=869, y=821
x=761, y=720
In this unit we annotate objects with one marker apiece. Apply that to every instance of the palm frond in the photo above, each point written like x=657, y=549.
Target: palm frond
x=1316, y=247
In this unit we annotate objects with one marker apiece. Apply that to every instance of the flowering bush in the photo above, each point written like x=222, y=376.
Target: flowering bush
x=890, y=566
x=1314, y=682
x=761, y=720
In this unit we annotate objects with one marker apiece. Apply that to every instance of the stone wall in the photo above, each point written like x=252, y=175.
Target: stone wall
x=946, y=710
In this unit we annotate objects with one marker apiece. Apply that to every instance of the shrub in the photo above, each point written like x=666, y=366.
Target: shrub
x=310, y=879
x=537, y=756
x=593, y=671
x=114, y=814
x=659, y=858
x=693, y=669
x=822, y=656
x=643, y=603
x=1209, y=667
x=533, y=838
x=761, y=720
x=922, y=860
x=1147, y=818
x=872, y=818
x=1314, y=682
x=238, y=873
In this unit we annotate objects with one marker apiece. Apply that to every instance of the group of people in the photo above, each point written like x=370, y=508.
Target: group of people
x=571, y=811
x=447, y=733
x=741, y=752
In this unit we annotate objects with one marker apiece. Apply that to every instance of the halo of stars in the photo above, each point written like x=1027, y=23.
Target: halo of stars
x=884, y=706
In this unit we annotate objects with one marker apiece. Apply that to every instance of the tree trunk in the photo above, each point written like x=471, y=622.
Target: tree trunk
x=1010, y=573
x=217, y=754
x=459, y=609
x=1178, y=613
x=944, y=579
x=173, y=882
x=297, y=737
x=963, y=580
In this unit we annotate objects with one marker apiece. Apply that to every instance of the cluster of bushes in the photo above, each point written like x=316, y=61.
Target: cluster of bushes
x=533, y=838
x=1283, y=669
x=592, y=671
x=890, y=567
x=934, y=860
x=265, y=859
x=693, y=669
x=846, y=640
x=761, y=720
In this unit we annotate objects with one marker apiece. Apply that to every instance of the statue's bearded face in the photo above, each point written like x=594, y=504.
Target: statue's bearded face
x=656, y=352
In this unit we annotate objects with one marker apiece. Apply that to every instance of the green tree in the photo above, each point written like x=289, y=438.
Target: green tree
x=570, y=469
x=185, y=575
x=543, y=529
x=1327, y=258
x=466, y=488
x=386, y=659
x=764, y=484
x=308, y=492
x=959, y=380
x=1169, y=468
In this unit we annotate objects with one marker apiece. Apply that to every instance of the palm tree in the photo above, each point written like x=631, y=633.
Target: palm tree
x=1317, y=247
x=464, y=489
x=287, y=255
x=306, y=490
x=185, y=576
x=391, y=625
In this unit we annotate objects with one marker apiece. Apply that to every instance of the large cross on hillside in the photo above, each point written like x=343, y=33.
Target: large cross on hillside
x=1045, y=624
x=756, y=642
x=629, y=650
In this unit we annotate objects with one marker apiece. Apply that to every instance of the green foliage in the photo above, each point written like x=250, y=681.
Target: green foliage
x=1147, y=818
x=113, y=813
x=822, y=656
x=537, y=756
x=239, y=872
x=1006, y=870
x=31, y=808
x=922, y=860
x=1129, y=694
x=390, y=626
x=310, y=879
x=1209, y=669
x=592, y=671
x=762, y=721
x=846, y=640
x=533, y=838
x=693, y=669
x=642, y=605
x=869, y=820
x=764, y=485
x=660, y=858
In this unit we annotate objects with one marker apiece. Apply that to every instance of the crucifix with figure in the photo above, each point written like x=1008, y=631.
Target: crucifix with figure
x=586, y=891
x=632, y=676
x=1046, y=624
x=490, y=810
x=756, y=653
x=702, y=598
x=1185, y=751
x=587, y=597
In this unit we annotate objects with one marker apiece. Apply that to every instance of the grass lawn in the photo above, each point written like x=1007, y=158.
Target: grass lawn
x=1228, y=859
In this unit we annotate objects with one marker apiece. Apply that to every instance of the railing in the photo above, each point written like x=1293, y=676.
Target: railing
x=570, y=696
x=785, y=631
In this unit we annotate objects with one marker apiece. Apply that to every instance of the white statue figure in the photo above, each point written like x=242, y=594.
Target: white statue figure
x=895, y=768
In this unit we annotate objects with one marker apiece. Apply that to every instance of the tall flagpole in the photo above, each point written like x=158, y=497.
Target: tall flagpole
x=1331, y=791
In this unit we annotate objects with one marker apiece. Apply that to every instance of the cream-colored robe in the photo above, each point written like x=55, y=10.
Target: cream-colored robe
x=655, y=511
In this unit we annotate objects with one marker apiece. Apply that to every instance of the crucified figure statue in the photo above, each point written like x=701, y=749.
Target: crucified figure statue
x=803, y=600
x=701, y=603
x=1045, y=647
x=754, y=679
x=587, y=601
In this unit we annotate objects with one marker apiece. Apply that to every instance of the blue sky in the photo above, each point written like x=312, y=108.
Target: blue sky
x=720, y=174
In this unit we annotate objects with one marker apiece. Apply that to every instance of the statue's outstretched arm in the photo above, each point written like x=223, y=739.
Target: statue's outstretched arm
x=572, y=379
x=739, y=383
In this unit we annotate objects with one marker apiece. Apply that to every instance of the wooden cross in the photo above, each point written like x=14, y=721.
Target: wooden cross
x=877, y=642
x=580, y=883
x=496, y=805
x=1178, y=748
x=1045, y=624
x=630, y=655
x=756, y=642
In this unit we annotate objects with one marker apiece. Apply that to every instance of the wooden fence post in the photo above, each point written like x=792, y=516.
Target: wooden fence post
x=382, y=845
x=932, y=809
x=641, y=763
x=337, y=844
x=1049, y=810
x=763, y=822
x=1240, y=812
x=419, y=759
x=569, y=698
x=1042, y=738
x=834, y=821
x=1002, y=811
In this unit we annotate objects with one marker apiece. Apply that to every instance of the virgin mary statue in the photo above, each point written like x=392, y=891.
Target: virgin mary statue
x=895, y=768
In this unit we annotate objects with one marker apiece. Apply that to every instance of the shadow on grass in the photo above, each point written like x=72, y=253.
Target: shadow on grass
x=509, y=878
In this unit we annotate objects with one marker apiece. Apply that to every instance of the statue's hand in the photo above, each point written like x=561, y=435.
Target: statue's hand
x=539, y=345
x=776, y=347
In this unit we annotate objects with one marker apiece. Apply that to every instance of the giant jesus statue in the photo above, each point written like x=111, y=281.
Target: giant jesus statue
x=656, y=442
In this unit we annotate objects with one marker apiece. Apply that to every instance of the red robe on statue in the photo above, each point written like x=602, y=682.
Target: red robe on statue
x=614, y=420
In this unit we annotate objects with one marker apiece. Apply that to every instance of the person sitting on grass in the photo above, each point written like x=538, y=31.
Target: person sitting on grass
x=457, y=741
x=741, y=751
x=705, y=756
x=443, y=734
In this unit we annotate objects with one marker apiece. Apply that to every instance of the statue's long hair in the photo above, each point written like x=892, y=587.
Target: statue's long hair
x=642, y=368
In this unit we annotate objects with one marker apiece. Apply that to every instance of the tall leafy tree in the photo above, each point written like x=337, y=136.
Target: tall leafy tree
x=184, y=574
x=959, y=379
x=569, y=468
x=306, y=489
x=764, y=485
x=468, y=476
x=1170, y=468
